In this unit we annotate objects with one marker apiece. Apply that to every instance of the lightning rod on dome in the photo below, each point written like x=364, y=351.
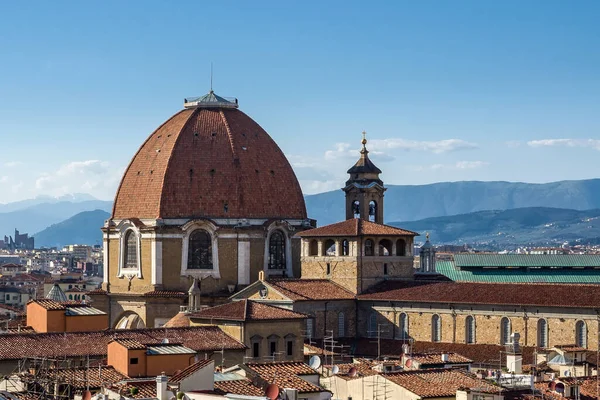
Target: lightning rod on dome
x=211, y=76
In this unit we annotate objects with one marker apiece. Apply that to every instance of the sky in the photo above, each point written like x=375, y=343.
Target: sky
x=446, y=90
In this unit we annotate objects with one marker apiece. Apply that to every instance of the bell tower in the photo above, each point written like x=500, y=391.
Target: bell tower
x=364, y=190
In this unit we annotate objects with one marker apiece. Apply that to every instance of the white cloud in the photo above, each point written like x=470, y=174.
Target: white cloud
x=4, y=179
x=459, y=165
x=95, y=177
x=436, y=147
x=592, y=143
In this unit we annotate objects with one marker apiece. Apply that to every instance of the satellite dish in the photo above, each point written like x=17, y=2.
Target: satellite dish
x=165, y=341
x=335, y=369
x=408, y=363
x=352, y=372
x=272, y=391
x=87, y=395
x=315, y=362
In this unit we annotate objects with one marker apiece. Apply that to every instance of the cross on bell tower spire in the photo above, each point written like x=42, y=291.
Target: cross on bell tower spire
x=364, y=190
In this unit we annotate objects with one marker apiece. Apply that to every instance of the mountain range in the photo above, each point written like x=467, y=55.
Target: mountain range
x=415, y=207
x=415, y=202
x=506, y=228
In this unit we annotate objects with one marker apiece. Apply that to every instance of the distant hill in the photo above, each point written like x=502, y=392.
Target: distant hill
x=36, y=217
x=19, y=205
x=411, y=203
x=533, y=225
x=82, y=228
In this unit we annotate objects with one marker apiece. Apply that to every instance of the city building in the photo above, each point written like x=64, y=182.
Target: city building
x=21, y=241
x=209, y=196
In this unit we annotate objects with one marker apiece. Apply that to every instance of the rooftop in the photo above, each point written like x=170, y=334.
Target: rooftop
x=210, y=100
x=285, y=375
x=247, y=310
x=439, y=382
x=527, y=260
x=517, y=275
x=191, y=370
x=514, y=294
x=356, y=227
x=243, y=387
x=310, y=289
x=76, y=344
x=436, y=358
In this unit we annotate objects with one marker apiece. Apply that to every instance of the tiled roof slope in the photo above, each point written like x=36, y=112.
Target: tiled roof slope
x=189, y=371
x=181, y=319
x=439, y=382
x=247, y=310
x=243, y=387
x=285, y=375
x=310, y=289
x=527, y=260
x=436, y=358
x=79, y=378
x=75, y=344
x=201, y=159
x=560, y=295
x=357, y=227
x=479, y=353
x=146, y=389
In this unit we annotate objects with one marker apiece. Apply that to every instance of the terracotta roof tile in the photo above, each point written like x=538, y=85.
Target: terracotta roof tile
x=243, y=387
x=165, y=293
x=130, y=344
x=189, y=371
x=531, y=294
x=436, y=358
x=79, y=377
x=439, y=383
x=357, y=227
x=362, y=370
x=201, y=159
x=310, y=289
x=49, y=304
x=285, y=375
x=75, y=344
x=181, y=319
x=146, y=389
x=247, y=310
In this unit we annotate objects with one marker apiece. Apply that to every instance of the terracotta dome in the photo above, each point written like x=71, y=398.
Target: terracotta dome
x=209, y=160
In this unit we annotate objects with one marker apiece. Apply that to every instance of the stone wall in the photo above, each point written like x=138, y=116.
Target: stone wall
x=561, y=322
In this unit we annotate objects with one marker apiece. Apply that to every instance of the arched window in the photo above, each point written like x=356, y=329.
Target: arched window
x=372, y=325
x=385, y=247
x=345, y=247
x=329, y=247
x=581, y=334
x=436, y=328
x=130, y=253
x=200, y=250
x=470, y=330
x=356, y=208
x=70, y=297
x=403, y=326
x=505, y=330
x=277, y=251
x=542, y=333
x=400, y=247
x=372, y=211
x=368, y=247
x=313, y=248
x=341, y=324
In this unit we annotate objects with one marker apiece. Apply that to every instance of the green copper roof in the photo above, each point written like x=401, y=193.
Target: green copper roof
x=527, y=260
x=502, y=275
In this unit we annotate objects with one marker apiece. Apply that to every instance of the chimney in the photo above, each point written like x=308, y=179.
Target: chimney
x=161, y=387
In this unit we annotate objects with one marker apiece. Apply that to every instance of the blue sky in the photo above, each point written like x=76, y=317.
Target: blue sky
x=447, y=90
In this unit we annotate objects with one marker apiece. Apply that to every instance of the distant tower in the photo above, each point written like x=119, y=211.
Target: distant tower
x=364, y=190
x=427, y=257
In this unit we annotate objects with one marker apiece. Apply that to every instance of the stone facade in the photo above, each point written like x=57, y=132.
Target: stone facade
x=561, y=322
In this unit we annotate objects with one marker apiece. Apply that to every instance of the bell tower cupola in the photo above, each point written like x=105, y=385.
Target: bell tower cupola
x=364, y=190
